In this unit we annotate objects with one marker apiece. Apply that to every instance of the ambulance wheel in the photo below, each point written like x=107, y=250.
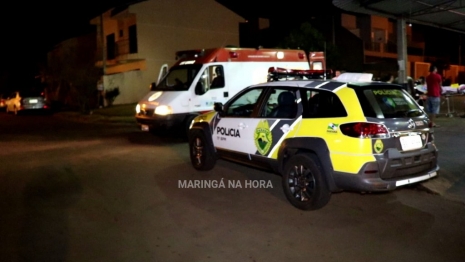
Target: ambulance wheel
x=201, y=153
x=304, y=184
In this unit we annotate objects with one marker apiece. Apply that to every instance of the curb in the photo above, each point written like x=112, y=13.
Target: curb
x=437, y=186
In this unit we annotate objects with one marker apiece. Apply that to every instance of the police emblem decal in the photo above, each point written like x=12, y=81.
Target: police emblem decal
x=262, y=137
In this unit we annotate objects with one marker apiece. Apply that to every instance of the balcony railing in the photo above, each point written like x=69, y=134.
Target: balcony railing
x=391, y=48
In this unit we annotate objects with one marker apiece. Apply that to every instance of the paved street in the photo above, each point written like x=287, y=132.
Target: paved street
x=77, y=191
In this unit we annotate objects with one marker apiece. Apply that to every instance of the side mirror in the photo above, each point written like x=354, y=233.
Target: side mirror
x=218, y=107
x=152, y=86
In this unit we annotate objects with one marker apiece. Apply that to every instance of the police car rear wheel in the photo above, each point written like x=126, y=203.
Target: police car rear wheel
x=304, y=184
x=201, y=154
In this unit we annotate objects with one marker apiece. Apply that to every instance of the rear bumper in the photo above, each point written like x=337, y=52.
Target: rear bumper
x=373, y=183
x=35, y=107
x=391, y=170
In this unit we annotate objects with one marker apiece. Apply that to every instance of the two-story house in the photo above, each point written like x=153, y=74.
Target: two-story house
x=135, y=40
x=379, y=37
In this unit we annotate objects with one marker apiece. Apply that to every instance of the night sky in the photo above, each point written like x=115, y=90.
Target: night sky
x=30, y=29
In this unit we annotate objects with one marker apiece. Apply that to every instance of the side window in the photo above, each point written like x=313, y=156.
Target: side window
x=317, y=65
x=323, y=104
x=217, y=74
x=244, y=104
x=281, y=103
x=203, y=85
x=111, y=47
x=211, y=78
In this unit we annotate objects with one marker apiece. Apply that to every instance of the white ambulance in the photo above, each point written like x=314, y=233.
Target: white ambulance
x=201, y=78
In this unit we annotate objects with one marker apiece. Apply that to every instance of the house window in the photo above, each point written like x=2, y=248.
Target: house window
x=111, y=47
x=132, y=39
x=121, y=33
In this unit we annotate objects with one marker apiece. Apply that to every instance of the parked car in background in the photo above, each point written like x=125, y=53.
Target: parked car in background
x=25, y=101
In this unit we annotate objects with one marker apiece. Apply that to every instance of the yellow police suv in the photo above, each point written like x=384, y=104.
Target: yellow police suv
x=322, y=136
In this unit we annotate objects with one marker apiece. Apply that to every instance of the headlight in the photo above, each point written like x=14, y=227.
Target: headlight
x=163, y=110
x=138, y=109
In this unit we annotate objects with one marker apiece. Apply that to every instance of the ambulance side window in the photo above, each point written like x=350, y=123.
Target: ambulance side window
x=217, y=74
x=202, y=85
x=244, y=104
x=212, y=78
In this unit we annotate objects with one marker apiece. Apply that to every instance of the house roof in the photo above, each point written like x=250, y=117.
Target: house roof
x=444, y=14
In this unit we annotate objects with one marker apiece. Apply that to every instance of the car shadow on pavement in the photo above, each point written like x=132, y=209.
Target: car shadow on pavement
x=149, y=138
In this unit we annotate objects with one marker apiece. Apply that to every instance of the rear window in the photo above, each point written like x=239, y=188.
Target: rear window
x=31, y=93
x=388, y=102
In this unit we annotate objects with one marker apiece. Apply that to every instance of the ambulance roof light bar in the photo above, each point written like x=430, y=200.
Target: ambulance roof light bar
x=190, y=53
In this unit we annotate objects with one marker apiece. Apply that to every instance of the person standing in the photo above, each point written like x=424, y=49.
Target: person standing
x=433, y=91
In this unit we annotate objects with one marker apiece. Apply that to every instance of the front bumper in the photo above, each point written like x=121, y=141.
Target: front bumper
x=159, y=121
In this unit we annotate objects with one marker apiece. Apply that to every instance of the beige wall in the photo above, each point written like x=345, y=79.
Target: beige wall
x=349, y=21
x=379, y=22
x=164, y=27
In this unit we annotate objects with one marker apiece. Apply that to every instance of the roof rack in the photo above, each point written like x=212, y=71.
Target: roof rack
x=280, y=74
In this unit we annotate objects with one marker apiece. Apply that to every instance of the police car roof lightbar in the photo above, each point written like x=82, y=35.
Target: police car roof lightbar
x=355, y=77
x=278, y=73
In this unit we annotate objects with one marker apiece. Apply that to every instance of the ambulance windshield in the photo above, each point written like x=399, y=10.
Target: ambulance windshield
x=179, y=78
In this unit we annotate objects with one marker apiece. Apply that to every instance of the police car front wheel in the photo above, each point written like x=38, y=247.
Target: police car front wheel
x=304, y=184
x=201, y=153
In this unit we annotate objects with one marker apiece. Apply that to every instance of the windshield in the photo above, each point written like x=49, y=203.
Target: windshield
x=179, y=78
x=388, y=103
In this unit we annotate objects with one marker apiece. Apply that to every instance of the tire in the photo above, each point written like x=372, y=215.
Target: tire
x=304, y=183
x=201, y=152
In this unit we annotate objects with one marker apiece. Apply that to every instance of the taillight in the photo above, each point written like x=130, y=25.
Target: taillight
x=364, y=130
